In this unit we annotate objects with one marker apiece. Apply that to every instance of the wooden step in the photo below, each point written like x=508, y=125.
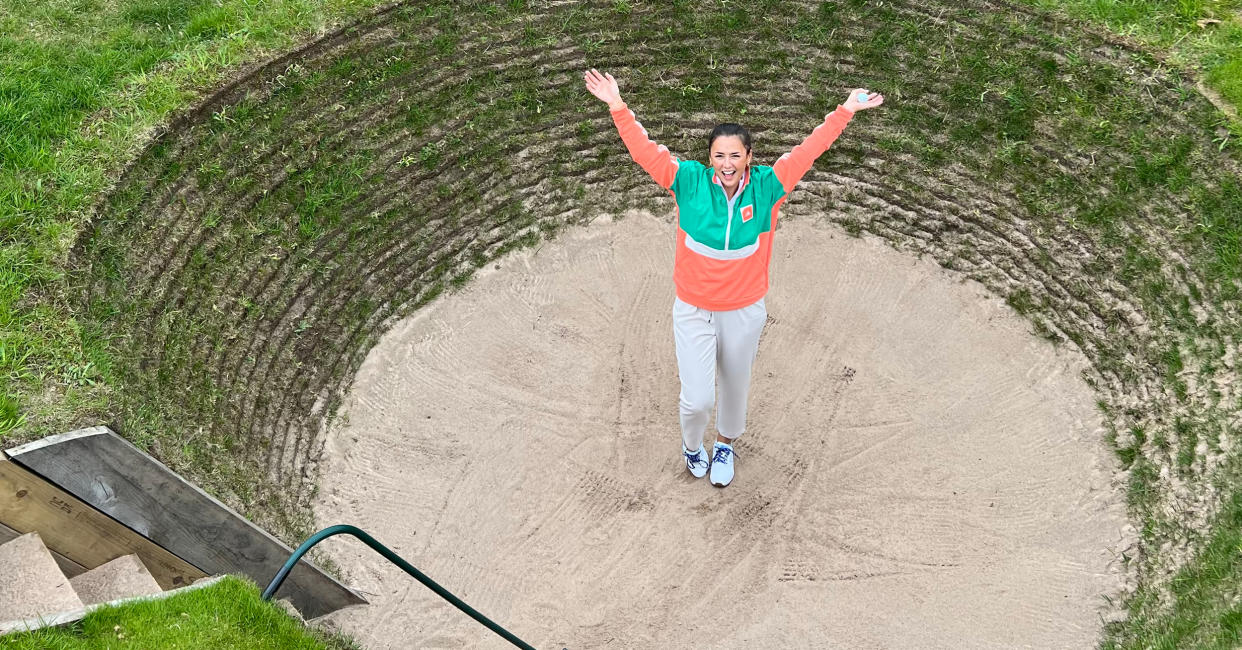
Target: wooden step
x=31, y=584
x=67, y=566
x=79, y=532
x=124, y=577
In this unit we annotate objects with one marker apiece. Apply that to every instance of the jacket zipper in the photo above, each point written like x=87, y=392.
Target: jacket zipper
x=729, y=223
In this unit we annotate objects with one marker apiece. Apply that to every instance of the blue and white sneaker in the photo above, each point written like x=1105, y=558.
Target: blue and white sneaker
x=722, y=464
x=696, y=461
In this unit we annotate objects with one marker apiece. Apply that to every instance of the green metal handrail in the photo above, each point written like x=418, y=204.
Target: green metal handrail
x=395, y=559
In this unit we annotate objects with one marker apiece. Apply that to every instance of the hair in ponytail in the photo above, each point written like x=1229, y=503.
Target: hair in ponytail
x=729, y=128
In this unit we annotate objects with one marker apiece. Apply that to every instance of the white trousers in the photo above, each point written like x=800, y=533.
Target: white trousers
x=715, y=345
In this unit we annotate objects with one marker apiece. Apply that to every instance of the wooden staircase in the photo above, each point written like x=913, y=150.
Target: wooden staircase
x=33, y=585
x=35, y=591
x=87, y=518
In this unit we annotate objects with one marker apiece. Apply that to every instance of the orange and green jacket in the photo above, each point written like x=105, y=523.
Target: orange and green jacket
x=724, y=246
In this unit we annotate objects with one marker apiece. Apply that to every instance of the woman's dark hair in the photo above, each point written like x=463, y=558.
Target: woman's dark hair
x=729, y=128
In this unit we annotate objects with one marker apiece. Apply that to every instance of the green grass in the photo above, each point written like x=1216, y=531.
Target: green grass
x=66, y=134
x=1200, y=610
x=78, y=87
x=227, y=615
x=1173, y=28
x=1226, y=76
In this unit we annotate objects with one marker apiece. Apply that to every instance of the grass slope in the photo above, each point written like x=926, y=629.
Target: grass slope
x=224, y=616
x=82, y=87
x=236, y=273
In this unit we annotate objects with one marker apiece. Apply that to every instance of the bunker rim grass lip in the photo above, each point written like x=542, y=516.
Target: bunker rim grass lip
x=1033, y=180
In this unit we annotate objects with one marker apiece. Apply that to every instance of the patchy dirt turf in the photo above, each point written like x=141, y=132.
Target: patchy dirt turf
x=247, y=262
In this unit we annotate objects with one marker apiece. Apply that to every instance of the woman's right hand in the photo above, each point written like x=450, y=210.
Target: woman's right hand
x=604, y=87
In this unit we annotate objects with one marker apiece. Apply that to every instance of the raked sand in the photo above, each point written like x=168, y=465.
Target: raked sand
x=919, y=470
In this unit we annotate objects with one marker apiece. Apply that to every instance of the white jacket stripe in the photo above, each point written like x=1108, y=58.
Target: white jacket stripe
x=708, y=251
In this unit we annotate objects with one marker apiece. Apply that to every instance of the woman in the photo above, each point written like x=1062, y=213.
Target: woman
x=725, y=217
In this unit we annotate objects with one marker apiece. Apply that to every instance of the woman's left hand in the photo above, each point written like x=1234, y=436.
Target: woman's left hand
x=873, y=100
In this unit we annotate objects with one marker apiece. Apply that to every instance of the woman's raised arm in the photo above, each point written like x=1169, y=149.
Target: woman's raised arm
x=655, y=158
x=791, y=167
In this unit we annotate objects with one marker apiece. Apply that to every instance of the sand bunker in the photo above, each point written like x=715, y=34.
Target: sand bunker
x=919, y=470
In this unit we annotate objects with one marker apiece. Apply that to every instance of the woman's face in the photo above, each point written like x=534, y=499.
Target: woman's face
x=730, y=159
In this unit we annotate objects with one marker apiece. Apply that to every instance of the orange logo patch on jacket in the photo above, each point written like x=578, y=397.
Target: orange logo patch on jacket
x=748, y=211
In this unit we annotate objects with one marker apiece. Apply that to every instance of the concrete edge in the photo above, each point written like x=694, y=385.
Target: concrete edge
x=72, y=616
x=53, y=439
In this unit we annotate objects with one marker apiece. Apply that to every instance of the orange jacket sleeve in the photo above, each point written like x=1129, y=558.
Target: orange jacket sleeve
x=655, y=158
x=791, y=167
